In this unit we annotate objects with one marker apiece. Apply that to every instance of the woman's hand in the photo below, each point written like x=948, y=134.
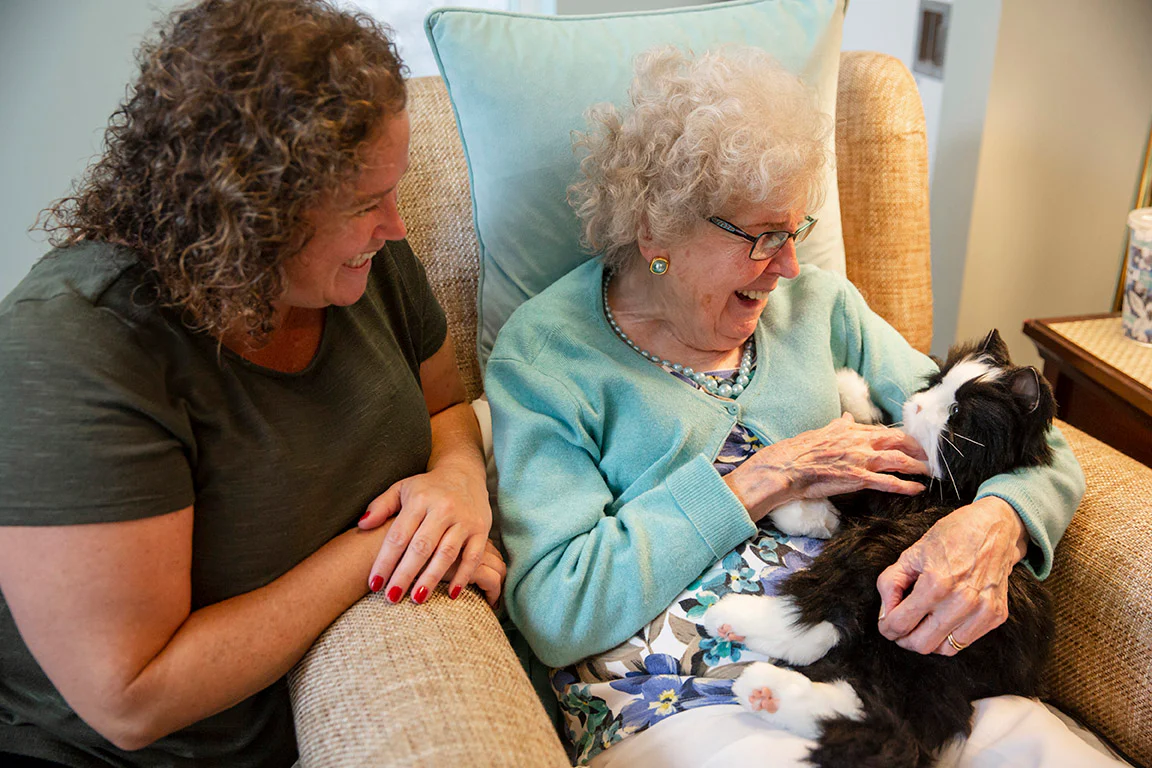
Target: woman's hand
x=442, y=516
x=489, y=575
x=958, y=573
x=839, y=458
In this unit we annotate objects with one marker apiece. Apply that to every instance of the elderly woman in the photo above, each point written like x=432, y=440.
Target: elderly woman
x=655, y=404
x=232, y=359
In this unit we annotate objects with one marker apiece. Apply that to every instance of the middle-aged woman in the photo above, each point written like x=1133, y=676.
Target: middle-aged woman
x=626, y=473
x=233, y=359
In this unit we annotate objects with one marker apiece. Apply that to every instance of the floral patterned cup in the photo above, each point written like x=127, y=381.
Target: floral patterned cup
x=1137, y=312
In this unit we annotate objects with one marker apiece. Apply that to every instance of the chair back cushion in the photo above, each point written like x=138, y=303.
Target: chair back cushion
x=520, y=85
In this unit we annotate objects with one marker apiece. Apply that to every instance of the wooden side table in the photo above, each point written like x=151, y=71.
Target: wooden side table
x=1102, y=380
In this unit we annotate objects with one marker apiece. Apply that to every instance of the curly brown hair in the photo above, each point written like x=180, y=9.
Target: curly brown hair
x=246, y=114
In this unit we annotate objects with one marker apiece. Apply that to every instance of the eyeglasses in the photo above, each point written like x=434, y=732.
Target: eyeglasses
x=767, y=244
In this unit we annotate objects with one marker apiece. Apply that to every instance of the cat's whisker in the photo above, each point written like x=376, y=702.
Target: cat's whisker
x=899, y=406
x=931, y=482
x=953, y=445
x=956, y=487
x=962, y=437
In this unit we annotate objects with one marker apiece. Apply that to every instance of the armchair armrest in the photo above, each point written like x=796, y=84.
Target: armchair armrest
x=1101, y=664
x=418, y=685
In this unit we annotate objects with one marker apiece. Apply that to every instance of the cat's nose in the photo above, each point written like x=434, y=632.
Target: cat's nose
x=916, y=408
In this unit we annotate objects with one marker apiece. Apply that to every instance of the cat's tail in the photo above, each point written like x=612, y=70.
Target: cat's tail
x=882, y=739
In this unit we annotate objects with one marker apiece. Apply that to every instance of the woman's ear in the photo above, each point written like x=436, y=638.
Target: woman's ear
x=648, y=247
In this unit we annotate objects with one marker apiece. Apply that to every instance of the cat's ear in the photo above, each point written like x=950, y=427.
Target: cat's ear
x=1026, y=386
x=994, y=346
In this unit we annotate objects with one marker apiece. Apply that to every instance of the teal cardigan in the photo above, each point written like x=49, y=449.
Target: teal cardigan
x=608, y=502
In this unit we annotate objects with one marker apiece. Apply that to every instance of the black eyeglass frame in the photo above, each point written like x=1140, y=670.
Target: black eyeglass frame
x=798, y=236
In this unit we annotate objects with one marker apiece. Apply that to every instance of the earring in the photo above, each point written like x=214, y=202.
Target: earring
x=658, y=265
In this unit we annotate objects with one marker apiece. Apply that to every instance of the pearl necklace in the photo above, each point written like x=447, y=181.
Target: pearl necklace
x=729, y=387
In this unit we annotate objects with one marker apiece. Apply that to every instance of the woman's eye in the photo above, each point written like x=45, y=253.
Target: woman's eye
x=955, y=409
x=366, y=211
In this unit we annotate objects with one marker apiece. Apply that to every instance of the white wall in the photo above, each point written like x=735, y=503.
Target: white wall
x=1068, y=118
x=953, y=115
x=407, y=22
x=959, y=131
x=887, y=26
x=63, y=69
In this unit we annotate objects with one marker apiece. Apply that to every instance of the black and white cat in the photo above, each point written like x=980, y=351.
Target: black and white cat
x=868, y=702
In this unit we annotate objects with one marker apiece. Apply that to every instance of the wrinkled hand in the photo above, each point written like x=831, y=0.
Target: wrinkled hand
x=489, y=575
x=441, y=516
x=839, y=458
x=958, y=572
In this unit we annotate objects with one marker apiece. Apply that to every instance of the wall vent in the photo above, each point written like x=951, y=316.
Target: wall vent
x=932, y=38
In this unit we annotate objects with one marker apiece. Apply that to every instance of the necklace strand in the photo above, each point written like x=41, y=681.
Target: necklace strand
x=729, y=387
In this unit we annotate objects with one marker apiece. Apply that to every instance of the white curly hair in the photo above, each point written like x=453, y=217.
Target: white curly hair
x=703, y=133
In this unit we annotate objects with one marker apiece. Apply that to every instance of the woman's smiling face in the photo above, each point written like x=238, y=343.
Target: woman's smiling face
x=332, y=268
x=713, y=292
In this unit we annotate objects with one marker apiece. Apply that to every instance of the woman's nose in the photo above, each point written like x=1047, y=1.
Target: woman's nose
x=391, y=226
x=785, y=260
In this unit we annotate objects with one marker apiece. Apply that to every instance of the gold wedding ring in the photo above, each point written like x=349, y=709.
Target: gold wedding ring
x=952, y=642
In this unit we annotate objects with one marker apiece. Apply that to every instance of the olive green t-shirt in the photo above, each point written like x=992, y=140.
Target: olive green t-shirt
x=111, y=410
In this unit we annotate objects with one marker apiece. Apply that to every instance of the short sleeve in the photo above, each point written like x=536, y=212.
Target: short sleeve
x=88, y=432
x=432, y=325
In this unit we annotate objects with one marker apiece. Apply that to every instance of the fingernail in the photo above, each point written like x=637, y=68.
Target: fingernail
x=363, y=517
x=395, y=594
x=376, y=582
x=454, y=592
x=420, y=595
x=883, y=612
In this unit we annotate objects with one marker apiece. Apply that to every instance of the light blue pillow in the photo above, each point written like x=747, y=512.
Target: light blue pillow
x=520, y=85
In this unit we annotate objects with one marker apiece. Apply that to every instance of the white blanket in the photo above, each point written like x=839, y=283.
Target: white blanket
x=1008, y=732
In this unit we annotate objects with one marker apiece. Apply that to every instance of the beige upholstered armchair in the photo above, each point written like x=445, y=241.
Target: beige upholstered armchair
x=438, y=685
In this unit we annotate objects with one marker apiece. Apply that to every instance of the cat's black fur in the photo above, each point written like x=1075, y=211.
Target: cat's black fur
x=914, y=703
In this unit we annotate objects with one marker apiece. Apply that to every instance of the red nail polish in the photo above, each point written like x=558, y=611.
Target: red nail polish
x=363, y=516
x=395, y=594
x=420, y=595
x=454, y=592
x=376, y=582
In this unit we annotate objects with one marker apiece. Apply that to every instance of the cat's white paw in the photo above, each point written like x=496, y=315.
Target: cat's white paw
x=817, y=518
x=788, y=700
x=856, y=397
x=768, y=625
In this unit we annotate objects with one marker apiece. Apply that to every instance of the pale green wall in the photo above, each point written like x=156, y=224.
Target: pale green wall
x=64, y=66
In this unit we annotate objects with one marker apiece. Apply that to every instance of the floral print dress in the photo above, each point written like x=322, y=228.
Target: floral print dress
x=672, y=665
